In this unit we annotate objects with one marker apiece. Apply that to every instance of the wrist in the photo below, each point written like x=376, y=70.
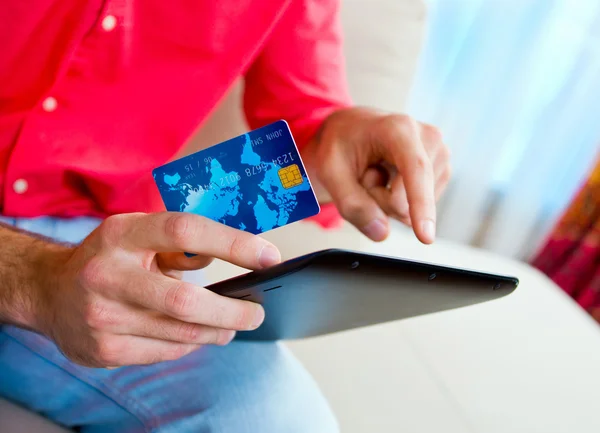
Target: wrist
x=47, y=264
x=29, y=268
x=312, y=155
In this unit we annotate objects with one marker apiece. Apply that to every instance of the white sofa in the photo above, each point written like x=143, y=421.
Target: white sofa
x=528, y=363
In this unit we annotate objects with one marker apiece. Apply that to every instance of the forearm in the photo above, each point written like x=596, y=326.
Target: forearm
x=308, y=157
x=27, y=265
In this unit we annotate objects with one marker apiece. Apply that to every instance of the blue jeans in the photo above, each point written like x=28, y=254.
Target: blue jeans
x=242, y=387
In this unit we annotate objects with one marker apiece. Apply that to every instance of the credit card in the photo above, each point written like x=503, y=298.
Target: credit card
x=255, y=182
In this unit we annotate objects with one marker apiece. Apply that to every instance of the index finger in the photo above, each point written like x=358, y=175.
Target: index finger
x=406, y=150
x=181, y=231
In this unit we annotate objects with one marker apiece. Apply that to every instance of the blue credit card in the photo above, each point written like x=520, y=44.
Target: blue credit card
x=255, y=182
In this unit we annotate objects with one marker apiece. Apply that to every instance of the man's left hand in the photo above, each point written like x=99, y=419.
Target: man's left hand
x=375, y=166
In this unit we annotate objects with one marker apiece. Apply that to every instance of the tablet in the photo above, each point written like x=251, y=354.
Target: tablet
x=336, y=290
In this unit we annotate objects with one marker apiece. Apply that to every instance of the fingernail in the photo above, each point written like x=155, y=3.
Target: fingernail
x=428, y=228
x=259, y=317
x=269, y=256
x=376, y=230
x=230, y=337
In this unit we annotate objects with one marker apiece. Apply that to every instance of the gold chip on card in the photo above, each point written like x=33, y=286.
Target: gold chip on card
x=290, y=176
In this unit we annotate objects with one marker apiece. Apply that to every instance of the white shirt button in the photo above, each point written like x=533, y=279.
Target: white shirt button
x=20, y=186
x=49, y=104
x=109, y=23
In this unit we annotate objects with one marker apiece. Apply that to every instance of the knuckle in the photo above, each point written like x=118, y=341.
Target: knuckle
x=97, y=315
x=106, y=352
x=421, y=162
x=399, y=119
x=402, y=122
x=188, y=332
x=180, y=300
x=431, y=133
x=93, y=274
x=180, y=229
x=445, y=153
x=350, y=206
x=112, y=228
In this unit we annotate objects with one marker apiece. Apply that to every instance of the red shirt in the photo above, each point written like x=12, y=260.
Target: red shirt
x=94, y=94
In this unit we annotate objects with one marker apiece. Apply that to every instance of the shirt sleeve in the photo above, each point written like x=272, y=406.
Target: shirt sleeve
x=300, y=75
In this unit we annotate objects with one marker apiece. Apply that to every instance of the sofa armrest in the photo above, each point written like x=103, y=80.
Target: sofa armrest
x=15, y=419
x=529, y=362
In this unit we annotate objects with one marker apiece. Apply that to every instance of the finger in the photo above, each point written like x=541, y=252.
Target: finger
x=375, y=176
x=376, y=180
x=442, y=169
x=186, y=232
x=121, y=319
x=405, y=148
x=399, y=199
x=145, y=323
x=120, y=350
x=383, y=196
x=432, y=140
x=405, y=220
x=401, y=210
x=441, y=184
x=352, y=199
x=182, y=332
x=180, y=262
x=189, y=303
x=439, y=154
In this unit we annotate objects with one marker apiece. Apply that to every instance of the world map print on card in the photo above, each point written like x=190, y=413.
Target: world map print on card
x=255, y=182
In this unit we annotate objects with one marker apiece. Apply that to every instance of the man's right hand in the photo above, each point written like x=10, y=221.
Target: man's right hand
x=116, y=299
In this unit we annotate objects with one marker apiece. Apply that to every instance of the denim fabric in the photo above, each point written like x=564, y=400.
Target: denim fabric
x=242, y=387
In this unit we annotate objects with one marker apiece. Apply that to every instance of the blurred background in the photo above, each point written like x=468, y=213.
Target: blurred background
x=514, y=86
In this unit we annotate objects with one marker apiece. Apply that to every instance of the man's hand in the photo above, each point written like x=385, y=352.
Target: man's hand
x=116, y=300
x=374, y=166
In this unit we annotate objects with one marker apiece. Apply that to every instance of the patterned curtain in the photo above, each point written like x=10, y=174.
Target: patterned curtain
x=571, y=256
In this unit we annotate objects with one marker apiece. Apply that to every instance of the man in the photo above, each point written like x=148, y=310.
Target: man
x=94, y=95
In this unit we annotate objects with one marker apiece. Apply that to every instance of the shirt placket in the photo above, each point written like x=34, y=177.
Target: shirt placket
x=118, y=18
x=116, y=22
